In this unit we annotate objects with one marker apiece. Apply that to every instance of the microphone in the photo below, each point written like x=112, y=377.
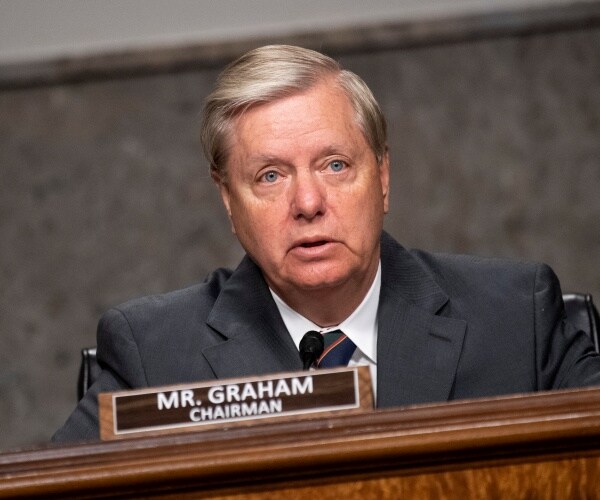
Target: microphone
x=311, y=347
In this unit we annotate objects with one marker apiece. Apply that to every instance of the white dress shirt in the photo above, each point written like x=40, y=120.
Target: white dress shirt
x=360, y=327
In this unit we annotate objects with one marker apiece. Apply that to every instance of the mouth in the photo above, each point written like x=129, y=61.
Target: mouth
x=311, y=244
x=311, y=248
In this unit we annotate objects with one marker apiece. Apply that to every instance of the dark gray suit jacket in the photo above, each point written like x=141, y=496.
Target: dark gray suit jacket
x=450, y=327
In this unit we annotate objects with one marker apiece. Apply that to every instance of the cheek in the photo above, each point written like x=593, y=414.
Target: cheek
x=256, y=223
x=365, y=201
x=364, y=212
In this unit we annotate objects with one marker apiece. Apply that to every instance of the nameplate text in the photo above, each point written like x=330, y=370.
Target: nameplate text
x=230, y=401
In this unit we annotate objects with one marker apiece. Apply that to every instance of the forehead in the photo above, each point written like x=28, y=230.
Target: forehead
x=321, y=116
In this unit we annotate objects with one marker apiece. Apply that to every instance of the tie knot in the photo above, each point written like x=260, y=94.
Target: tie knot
x=330, y=338
x=338, y=350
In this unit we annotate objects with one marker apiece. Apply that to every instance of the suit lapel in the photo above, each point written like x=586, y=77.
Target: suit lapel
x=418, y=350
x=256, y=340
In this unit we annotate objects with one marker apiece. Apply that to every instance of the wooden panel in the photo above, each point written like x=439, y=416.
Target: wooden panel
x=567, y=478
x=545, y=444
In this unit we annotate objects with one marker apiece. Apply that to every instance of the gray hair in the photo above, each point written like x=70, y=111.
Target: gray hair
x=273, y=72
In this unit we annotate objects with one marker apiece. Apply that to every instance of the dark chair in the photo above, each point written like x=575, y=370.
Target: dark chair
x=582, y=313
x=88, y=371
x=579, y=307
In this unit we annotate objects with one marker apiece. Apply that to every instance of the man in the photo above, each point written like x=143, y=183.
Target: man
x=297, y=148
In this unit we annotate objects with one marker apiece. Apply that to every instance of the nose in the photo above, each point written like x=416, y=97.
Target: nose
x=308, y=197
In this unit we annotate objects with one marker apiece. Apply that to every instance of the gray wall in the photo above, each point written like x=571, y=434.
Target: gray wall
x=105, y=195
x=34, y=30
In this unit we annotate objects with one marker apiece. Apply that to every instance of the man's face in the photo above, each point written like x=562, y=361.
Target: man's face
x=305, y=194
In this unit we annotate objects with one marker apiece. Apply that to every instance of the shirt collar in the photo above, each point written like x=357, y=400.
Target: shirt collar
x=360, y=326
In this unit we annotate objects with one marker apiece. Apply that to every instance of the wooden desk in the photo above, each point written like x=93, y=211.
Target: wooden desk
x=545, y=445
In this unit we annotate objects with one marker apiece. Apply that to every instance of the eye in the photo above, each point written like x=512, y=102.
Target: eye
x=270, y=176
x=337, y=165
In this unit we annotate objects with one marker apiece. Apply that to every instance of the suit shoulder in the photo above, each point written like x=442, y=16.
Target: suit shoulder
x=195, y=299
x=451, y=261
x=479, y=273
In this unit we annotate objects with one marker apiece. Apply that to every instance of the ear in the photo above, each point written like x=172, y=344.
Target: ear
x=384, y=175
x=225, y=195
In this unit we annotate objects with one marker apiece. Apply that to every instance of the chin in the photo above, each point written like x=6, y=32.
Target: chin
x=320, y=282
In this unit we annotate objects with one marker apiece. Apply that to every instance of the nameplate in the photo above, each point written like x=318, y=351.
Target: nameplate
x=233, y=402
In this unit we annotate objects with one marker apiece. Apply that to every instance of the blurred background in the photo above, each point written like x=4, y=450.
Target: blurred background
x=494, y=131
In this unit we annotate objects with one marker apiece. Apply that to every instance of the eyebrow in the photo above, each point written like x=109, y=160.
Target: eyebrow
x=333, y=150
x=267, y=158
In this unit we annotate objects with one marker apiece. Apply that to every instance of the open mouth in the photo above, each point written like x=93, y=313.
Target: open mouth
x=313, y=244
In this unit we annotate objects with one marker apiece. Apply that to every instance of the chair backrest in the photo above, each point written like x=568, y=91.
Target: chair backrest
x=582, y=313
x=88, y=371
x=579, y=307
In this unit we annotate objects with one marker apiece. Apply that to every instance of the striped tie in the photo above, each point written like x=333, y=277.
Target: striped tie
x=338, y=350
